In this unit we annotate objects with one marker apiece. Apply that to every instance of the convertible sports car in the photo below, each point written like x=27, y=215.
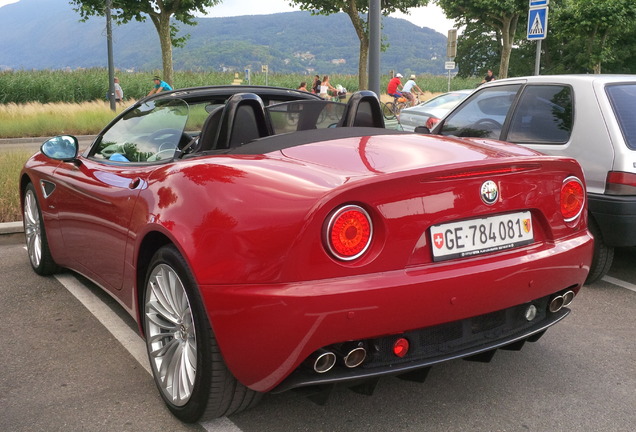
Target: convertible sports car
x=266, y=240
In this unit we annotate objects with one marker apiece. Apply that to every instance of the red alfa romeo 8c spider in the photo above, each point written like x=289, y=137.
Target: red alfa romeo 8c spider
x=266, y=240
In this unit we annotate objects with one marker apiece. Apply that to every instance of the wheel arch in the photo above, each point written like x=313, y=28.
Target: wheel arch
x=603, y=254
x=151, y=243
x=25, y=179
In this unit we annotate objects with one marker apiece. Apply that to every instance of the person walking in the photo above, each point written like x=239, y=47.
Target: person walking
x=315, y=86
x=119, y=93
x=489, y=77
x=160, y=86
x=408, y=88
x=302, y=86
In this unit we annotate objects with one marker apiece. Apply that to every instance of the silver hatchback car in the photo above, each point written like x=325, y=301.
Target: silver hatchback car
x=591, y=118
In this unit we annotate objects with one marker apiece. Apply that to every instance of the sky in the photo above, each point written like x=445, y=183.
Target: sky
x=430, y=16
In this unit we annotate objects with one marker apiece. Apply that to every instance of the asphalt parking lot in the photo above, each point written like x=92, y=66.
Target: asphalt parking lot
x=73, y=362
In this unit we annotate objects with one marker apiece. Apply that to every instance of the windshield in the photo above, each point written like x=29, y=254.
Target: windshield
x=483, y=114
x=448, y=100
x=149, y=133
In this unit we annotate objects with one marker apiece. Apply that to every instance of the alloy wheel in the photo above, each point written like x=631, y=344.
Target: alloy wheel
x=171, y=336
x=32, y=228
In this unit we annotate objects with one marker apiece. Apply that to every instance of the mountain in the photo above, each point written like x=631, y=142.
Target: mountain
x=47, y=34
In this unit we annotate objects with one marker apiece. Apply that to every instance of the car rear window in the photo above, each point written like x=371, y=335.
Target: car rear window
x=543, y=115
x=623, y=100
x=483, y=114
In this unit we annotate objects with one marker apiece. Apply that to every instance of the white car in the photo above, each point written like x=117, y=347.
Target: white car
x=428, y=113
x=591, y=118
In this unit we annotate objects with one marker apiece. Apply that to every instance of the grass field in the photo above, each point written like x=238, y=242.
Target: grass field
x=11, y=164
x=87, y=85
x=33, y=119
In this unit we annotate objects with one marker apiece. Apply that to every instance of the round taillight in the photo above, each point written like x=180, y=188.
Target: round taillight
x=349, y=232
x=572, y=198
x=401, y=347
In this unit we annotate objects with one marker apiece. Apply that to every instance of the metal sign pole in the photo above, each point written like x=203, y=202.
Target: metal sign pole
x=111, y=67
x=451, y=53
x=537, y=60
x=538, y=27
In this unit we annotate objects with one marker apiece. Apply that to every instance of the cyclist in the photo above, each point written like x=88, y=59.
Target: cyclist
x=392, y=89
x=407, y=90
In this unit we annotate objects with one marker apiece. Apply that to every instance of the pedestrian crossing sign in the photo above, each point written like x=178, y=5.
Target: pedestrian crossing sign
x=537, y=23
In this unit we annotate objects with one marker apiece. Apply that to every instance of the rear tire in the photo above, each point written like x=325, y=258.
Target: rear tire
x=388, y=111
x=603, y=254
x=399, y=107
x=35, y=235
x=185, y=359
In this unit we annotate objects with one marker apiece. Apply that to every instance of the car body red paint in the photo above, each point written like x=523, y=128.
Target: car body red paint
x=250, y=225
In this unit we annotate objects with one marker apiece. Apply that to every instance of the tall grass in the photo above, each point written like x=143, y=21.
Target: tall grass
x=92, y=84
x=34, y=119
x=46, y=103
x=11, y=163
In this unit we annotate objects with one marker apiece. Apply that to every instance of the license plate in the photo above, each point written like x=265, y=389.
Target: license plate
x=479, y=236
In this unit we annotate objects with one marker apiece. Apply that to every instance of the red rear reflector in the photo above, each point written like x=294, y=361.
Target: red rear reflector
x=572, y=198
x=349, y=232
x=401, y=347
x=431, y=122
x=620, y=183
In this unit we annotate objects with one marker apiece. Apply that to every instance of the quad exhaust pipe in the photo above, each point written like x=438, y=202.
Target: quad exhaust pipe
x=322, y=361
x=350, y=355
x=561, y=301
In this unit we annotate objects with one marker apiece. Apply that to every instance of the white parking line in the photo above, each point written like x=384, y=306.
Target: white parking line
x=620, y=283
x=104, y=314
x=129, y=339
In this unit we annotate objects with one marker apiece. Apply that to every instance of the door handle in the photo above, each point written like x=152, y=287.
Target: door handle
x=134, y=183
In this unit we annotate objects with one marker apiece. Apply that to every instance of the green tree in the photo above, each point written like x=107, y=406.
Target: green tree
x=357, y=10
x=499, y=17
x=476, y=49
x=160, y=13
x=589, y=33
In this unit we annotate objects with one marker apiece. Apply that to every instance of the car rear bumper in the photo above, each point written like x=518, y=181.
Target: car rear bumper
x=616, y=217
x=267, y=332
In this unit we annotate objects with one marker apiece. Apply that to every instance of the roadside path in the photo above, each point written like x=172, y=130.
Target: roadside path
x=34, y=143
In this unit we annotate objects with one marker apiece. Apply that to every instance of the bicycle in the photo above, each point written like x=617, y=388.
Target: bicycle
x=391, y=110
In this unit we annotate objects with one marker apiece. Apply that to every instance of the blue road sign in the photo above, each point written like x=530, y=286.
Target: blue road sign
x=537, y=23
x=535, y=3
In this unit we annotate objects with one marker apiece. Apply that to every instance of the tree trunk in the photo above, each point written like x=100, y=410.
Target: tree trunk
x=162, y=24
x=363, y=76
x=508, y=29
x=363, y=37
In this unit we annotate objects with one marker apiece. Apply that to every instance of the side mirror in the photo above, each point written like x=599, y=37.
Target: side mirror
x=422, y=130
x=63, y=147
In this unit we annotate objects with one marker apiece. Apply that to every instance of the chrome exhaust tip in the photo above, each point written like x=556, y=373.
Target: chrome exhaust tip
x=556, y=304
x=355, y=357
x=568, y=297
x=322, y=361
